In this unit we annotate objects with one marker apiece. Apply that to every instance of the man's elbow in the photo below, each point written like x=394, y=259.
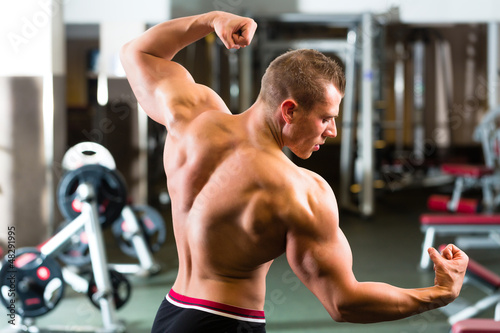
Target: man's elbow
x=339, y=313
x=346, y=311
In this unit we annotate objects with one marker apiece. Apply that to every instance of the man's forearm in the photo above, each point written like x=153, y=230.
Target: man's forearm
x=166, y=39
x=376, y=302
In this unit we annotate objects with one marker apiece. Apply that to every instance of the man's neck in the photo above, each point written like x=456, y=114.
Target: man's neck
x=263, y=126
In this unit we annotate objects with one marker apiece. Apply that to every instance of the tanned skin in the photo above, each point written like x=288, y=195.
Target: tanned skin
x=238, y=202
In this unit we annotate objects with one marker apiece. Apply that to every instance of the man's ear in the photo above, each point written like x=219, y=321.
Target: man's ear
x=288, y=107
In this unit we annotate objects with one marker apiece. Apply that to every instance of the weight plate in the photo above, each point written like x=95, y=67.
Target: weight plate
x=31, y=284
x=122, y=289
x=77, y=253
x=152, y=226
x=108, y=184
x=86, y=153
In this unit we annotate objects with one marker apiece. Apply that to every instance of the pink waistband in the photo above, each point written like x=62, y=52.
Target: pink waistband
x=216, y=308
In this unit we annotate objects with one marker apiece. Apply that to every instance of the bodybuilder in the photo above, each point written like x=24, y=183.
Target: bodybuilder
x=238, y=202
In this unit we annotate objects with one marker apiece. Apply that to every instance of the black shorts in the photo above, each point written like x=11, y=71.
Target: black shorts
x=182, y=314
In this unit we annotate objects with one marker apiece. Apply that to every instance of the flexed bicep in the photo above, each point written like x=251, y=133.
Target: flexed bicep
x=165, y=89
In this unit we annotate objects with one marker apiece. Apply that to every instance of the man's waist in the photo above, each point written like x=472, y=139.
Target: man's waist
x=217, y=308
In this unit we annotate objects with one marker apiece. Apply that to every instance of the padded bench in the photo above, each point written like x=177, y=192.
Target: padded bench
x=466, y=176
x=467, y=170
x=476, y=326
x=454, y=224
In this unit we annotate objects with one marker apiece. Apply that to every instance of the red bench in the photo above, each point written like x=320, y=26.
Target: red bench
x=466, y=176
x=476, y=326
x=467, y=170
x=479, y=271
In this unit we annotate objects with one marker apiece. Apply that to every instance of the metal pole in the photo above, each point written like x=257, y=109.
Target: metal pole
x=57, y=242
x=142, y=143
x=138, y=240
x=399, y=97
x=492, y=64
x=367, y=198
x=48, y=139
x=98, y=257
x=347, y=142
x=418, y=101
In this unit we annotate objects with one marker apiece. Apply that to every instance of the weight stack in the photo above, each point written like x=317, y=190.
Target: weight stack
x=33, y=123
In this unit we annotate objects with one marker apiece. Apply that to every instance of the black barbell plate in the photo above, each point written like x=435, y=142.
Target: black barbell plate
x=30, y=281
x=122, y=289
x=152, y=226
x=110, y=189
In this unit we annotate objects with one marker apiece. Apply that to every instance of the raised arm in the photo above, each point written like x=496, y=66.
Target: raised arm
x=165, y=89
x=319, y=254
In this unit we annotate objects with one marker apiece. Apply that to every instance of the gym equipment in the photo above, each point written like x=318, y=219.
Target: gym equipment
x=476, y=326
x=143, y=235
x=139, y=233
x=492, y=64
x=487, y=225
x=95, y=190
x=121, y=290
x=485, y=176
x=85, y=153
x=437, y=202
x=110, y=187
x=483, y=279
x=405, y=167
x=151, y=224
x=77, y=252
x=87, y=193
x=362, y=131
x=467, y=176
x=31, y=284
x=419, y=99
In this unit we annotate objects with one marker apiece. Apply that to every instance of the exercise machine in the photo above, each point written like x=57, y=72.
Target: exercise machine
x=467, y=176
x=485, y=280
x=466, y=227
x=91, y=196
x=32, y=279
x=139, y=230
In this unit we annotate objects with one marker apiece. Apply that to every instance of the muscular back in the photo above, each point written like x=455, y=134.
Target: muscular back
x=228, y=206
x=238, y=202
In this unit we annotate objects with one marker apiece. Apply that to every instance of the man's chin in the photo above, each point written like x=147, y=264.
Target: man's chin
x=300, y=154
x=303, y=156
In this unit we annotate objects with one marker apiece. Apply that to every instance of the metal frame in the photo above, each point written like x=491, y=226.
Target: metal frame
x=89, y=221
x=490, y=232
x=492, y=64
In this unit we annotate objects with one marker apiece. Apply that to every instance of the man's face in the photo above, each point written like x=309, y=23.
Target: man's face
x=308, y=130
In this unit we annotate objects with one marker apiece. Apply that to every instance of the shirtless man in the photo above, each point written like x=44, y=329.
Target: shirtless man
x=238, y=202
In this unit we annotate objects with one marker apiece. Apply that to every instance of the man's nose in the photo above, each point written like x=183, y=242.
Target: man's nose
x=331, y=130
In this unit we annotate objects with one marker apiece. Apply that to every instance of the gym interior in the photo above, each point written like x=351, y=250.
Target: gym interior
x=415, y=162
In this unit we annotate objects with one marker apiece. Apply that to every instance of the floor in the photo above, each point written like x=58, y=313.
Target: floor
x=386, y=248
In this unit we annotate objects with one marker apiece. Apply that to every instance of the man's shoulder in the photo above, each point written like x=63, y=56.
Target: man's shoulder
x=314, y=179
